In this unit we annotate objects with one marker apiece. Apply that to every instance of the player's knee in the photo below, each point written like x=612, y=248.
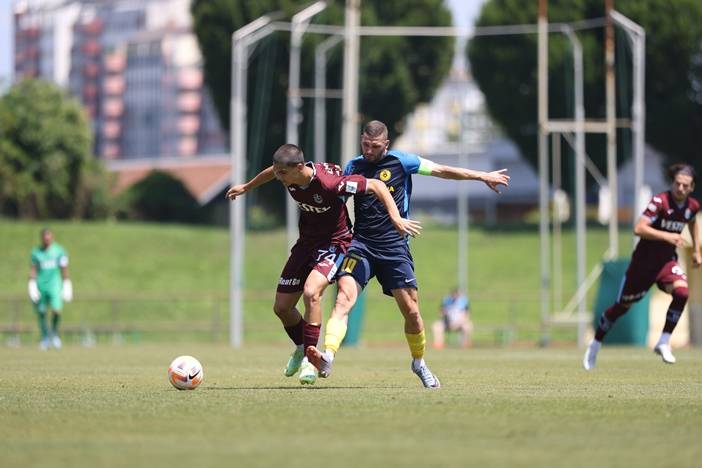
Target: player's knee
x=281, y=310
x=347, y=295
x=680, y=293
x=412, y=314
x=311, y=294
x=344, y=302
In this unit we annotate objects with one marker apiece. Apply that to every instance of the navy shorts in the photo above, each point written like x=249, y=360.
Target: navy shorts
x=393, y=267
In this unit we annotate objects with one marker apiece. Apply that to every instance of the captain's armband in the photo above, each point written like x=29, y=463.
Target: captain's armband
x=425, y=166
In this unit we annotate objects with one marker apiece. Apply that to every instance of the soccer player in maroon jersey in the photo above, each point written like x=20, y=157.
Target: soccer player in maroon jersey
x=320, y=190
x=655, y=261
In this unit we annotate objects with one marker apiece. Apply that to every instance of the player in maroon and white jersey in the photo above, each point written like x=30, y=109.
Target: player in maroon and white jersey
x=655, y=260
x=320, y=190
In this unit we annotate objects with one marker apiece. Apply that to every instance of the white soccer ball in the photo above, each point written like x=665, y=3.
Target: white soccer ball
x=185, y=373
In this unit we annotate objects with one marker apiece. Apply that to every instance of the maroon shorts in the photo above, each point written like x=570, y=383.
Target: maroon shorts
x=323, y=257
x=639, y=279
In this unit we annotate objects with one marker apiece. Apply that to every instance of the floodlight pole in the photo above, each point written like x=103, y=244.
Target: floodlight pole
x=298, y=25
x=241, y=39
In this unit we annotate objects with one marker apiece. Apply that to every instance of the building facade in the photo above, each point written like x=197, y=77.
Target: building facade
x=136, y=67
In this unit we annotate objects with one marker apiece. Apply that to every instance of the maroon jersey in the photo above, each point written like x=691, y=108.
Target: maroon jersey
x=323, y=214
x=665, y=215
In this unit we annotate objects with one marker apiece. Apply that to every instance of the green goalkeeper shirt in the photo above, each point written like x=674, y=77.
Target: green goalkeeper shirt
x=48, y=263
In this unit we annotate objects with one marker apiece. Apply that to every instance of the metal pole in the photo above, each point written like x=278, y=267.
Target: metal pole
x=298, y=25
x=350, y=133
x=637, y=39
x=611, y=132
x=580, y=228
x=543, y=167
x=463, y=220
x=237, y=146
x=557, y=224
x=320, y=84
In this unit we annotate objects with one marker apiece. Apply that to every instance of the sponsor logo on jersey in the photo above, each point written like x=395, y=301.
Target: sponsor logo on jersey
x=351, y=187
x=384, y=175
x=313, y=209
x=674, y=226
x=291, y=189
x=289, y=281
x=48, y=264
x=317, y=198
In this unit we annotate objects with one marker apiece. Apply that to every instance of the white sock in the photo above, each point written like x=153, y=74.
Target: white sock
x=329, y=354
x=595, y=345
x=664, y=339
x=417, y=363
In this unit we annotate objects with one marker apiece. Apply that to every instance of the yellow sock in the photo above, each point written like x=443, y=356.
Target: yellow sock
x=416, y=344
x=336, y=330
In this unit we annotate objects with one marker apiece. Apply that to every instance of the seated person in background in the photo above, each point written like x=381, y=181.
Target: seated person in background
x=455, y=316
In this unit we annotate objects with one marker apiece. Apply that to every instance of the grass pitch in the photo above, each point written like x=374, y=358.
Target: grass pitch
x=112, y=406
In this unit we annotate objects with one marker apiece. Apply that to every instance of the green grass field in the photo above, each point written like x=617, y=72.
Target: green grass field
x=174, y=277
x=112, y=406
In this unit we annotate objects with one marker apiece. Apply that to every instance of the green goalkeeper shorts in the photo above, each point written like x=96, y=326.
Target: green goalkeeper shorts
x=51, y=298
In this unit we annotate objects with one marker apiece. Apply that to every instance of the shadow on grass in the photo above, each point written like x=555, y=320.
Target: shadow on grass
x=297, y=388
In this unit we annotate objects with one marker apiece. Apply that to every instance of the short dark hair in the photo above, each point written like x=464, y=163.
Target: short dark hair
x=289, y=154
x=682, y=168
x=376, y=129
x=44, y=231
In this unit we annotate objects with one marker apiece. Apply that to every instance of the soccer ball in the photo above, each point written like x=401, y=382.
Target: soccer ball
x=185, y=373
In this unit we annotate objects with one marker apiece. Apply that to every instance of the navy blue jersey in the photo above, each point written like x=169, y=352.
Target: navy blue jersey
x=372, y=224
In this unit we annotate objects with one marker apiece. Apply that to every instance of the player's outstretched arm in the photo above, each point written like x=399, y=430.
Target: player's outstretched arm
x=403, y=226
x=492, y=179
x=261, y=178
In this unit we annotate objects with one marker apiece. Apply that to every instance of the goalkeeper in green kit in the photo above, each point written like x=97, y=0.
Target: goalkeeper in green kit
x=49, y=286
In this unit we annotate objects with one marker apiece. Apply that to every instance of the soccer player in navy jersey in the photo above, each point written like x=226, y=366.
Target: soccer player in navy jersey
x=655, y=260
x=378, y=250
x=320, y=191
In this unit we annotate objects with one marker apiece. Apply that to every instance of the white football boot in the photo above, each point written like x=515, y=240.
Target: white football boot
x=664, y=351
x=590, y=357
x=56, y=342
x=428, y=379
x=308, y=373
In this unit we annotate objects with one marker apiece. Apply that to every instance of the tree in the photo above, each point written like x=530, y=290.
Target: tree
x=46, y=165
x=160, y=197
x=396, y=73
x=505, y=70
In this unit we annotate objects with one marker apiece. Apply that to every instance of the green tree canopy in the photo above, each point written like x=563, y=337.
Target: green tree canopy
x=160, y=197
x=505, y=69
x=46, y=164
x=396, y=73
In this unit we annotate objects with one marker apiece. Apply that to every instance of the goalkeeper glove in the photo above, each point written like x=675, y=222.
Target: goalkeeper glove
x=33, y=289
x=67, y=292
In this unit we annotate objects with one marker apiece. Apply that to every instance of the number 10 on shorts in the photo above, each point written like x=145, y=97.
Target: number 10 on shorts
x=348, y=264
